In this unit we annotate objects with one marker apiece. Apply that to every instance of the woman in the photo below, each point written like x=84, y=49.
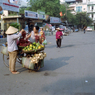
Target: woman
x=42, y=35
x=34, y=35
x=58, y=37
x=12, y=47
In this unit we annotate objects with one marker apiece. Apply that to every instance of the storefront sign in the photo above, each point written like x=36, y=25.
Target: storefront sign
x=30, y=14
x=55, y=20
x=9, y=6
x=41, y=14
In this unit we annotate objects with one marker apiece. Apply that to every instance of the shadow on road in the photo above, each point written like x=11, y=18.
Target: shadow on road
x=54, y=64
x=63, y=46
x=67, y=46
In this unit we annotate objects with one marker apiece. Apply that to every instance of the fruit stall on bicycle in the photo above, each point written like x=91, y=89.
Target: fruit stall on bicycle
x=30, y=55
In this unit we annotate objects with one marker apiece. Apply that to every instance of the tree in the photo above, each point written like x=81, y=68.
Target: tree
x=16, y=25
x=82, y=19
x=21, y=11
x=71, y=18
x=67, y=15
x=50, y=7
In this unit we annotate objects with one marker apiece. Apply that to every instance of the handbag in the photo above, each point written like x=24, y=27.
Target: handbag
x=61, y=37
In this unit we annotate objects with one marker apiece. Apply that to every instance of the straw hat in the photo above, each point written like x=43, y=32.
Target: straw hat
x=11, y=30
x=59, y=29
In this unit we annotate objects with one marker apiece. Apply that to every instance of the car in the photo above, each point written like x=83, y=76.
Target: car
x=88, y=29
x=76, y=30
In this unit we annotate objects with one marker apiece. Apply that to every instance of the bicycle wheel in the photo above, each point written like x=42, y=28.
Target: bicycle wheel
x=6, y=60
x=19, y=60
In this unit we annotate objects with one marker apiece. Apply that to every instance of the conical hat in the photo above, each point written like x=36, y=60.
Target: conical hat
x=11, y=30
x=58, y=28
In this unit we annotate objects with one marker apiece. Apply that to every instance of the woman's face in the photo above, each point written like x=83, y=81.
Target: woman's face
x=41, y=29
x=34, y=29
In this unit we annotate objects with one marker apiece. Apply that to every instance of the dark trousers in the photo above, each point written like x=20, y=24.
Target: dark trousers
x=84, y=30
x=58, y=42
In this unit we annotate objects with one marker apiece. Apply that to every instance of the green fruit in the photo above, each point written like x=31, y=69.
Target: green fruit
x=34, y=43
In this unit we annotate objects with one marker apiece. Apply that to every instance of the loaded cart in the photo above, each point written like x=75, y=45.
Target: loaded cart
x=30, y=56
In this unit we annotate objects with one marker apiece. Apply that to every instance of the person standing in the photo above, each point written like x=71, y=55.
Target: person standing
x=12, y=47
x=42, y=34
x=84, y=29
x=58, y=37
x=34, y=36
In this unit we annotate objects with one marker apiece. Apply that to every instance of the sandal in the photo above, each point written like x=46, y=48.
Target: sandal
x=15, y=72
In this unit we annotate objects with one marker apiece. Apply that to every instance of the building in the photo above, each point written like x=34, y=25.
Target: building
x=91, y=11
x=77, y=7
x=72, y=1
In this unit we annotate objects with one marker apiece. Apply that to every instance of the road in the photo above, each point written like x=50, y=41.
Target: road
x=69, y=70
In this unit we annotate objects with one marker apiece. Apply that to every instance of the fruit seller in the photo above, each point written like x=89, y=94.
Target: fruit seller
x=58, y=37
x=35, y=36
x=12, y=47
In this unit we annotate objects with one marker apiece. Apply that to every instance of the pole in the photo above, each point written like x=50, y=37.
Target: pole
x=17, y=18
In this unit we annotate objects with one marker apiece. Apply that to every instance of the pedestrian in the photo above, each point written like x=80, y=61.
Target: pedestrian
x=42, y=35
x=84, y=29
x=59, y=36
x=12, y=47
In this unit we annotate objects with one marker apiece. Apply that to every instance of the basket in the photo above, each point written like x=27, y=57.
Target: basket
x=33, y=51
x=4, y=50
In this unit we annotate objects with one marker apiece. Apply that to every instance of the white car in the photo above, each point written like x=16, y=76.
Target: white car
x=88, y=29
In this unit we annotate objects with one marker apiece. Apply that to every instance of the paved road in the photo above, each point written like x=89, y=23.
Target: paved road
x=69, y=70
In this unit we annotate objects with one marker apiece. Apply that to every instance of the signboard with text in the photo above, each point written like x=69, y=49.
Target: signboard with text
x=31, y=14
x=41, y=14
x=9, y=6
x=55, y=20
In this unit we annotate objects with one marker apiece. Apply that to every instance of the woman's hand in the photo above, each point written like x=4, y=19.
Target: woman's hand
x=22, y=31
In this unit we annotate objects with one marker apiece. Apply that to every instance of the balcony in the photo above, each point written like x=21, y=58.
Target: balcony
x=91, y=3
x=91, y=11
x=93, y=18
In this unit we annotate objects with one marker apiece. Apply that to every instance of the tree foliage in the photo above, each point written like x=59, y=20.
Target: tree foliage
x=21, y=11
x=82, y=19
x=50, y=7
x=16, y=25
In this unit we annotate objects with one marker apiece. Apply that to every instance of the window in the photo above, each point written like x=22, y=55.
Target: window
x=92, y=15
x=79, y=9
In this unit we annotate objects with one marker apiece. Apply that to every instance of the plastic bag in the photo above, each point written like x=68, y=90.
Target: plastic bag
x=4, y=50
x=45, y=42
